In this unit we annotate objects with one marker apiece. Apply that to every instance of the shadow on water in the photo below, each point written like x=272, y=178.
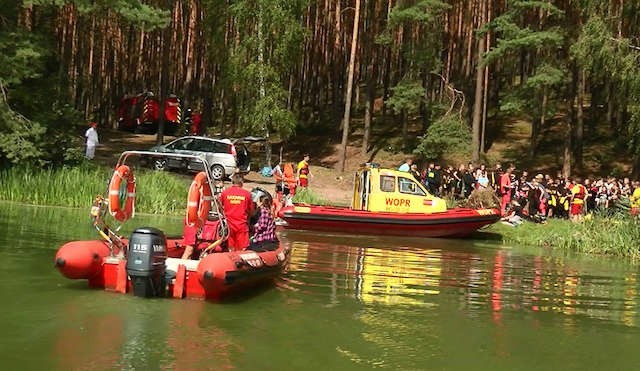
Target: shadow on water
x=486, y=236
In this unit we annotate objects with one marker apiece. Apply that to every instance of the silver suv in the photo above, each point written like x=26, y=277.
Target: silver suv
x=225, y=156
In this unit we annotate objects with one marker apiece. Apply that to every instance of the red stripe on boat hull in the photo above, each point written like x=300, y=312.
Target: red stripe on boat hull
x=452, y=223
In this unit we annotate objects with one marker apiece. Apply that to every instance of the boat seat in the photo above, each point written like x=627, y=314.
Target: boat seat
x=171, y=264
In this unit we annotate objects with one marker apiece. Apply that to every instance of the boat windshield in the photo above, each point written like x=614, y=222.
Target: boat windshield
x=409, y=186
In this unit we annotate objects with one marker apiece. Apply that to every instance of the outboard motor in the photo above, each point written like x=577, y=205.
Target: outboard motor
x=146, y=262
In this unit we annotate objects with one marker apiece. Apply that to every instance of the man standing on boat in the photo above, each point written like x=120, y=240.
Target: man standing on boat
x=238, y=208
x=304, y=173
x=92, y=140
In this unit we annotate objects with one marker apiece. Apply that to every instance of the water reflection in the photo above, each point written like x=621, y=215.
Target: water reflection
x=150, y=335
x=413, y=273
x=347, y=302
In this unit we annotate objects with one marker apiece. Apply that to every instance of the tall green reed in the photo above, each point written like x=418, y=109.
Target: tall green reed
x=611, y=235
x=156, y=192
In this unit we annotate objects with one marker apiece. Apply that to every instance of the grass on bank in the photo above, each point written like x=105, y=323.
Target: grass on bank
x=611, y=235
x=156, y=192
x=306, y=196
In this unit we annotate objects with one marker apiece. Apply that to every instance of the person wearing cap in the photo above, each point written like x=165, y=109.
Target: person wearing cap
x=303, y=172
x=92, y=140
x=238, y=208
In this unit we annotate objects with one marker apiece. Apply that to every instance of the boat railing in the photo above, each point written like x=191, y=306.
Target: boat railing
x=99, y=208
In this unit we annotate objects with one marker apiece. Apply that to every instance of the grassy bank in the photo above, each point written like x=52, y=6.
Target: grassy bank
x=614, y=235
x=156, y=192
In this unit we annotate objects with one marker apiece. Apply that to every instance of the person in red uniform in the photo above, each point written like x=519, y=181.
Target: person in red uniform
x=238, y=208
x=195, y=242
x=303, y=172
x=505, y=189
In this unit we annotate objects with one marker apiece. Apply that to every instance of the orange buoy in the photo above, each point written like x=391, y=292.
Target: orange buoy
x=121, y=212
x=199, y=200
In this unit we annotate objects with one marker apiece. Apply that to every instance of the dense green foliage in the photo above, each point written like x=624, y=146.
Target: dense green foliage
x=36, y=125
x=156, y=192
x=267, y=67
x=447, y=135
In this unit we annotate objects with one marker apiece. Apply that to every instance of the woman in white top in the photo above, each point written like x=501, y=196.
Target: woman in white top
x=92, y=140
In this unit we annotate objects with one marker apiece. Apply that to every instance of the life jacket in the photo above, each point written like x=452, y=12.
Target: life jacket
x=579, y=193
x=304, y=169
x=289, y=176
x=635, y=198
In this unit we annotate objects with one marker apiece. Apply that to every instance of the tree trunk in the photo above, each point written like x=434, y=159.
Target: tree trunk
x=368, y=108
x=566, y=157
x=347, y=105
x=477, y=102
x=579, y=119
x=164, y=80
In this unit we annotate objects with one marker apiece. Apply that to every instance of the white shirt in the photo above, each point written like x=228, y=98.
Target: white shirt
x=92, y=136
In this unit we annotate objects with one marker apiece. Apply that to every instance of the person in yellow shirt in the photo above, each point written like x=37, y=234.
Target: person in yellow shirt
x=303, y=172
x=635, y=199
x=578, y=196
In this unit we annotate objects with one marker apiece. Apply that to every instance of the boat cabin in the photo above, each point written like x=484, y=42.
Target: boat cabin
x=386, y=190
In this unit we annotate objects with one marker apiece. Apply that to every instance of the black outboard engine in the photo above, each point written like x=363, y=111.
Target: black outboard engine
x=145, y=262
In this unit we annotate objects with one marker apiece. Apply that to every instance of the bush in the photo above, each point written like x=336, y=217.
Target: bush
x=448, y=134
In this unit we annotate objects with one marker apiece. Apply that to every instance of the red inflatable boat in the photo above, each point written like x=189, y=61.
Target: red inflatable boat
x=148, y=263
x=154, y=269
x=451, y=223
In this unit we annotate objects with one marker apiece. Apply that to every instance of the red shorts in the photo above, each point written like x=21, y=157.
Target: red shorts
x=635, y=211
x=304, y=182
x=576, y=209
x=238, y=240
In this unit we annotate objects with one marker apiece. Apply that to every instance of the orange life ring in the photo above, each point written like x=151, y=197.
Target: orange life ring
x=120, y=212
x=199, y=200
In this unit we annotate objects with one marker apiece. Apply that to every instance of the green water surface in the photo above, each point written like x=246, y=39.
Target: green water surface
x=346, y=303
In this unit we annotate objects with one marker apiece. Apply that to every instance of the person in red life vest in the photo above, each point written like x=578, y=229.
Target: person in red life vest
x=238, y=208
x=505, y=189
x=197, y=240
x=196, y=123
x=285, y=184
x=304, y=173
x=578, y=197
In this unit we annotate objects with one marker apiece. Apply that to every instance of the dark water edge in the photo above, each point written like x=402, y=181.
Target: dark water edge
x=347, y=302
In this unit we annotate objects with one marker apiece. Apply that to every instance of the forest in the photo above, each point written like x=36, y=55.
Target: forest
x=449, y=75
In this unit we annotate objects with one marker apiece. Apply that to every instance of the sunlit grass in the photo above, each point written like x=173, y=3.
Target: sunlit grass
x=612, y=235
x=156, y=192
x=306, y=196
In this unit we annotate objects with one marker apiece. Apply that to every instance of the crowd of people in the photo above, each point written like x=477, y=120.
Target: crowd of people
x=533, y=197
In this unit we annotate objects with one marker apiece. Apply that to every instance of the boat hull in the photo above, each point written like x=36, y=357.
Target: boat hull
x=459, y=222
x=214, y=277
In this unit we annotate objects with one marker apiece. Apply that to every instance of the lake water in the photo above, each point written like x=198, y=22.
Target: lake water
x=346, y=303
